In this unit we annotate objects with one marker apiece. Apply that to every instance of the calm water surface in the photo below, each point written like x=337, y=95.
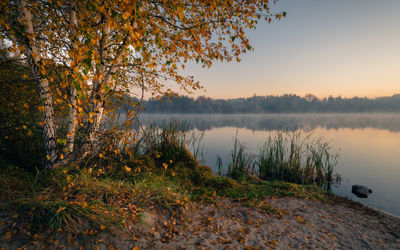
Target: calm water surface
x=368, y=145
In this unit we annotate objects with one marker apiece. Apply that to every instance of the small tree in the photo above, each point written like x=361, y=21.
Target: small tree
x=102, y=50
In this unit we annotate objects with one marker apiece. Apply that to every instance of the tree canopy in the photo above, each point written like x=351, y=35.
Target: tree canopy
x=88, y=55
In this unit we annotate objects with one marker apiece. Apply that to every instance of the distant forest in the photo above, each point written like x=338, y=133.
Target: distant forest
x=288, y=103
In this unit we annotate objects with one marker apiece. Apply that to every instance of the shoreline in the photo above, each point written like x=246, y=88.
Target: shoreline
x=296, y=223
x=368, y=206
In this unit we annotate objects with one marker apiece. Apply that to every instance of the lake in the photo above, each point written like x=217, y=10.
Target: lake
x=368, y=145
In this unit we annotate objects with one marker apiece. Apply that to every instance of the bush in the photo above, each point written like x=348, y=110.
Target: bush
x=20, y=133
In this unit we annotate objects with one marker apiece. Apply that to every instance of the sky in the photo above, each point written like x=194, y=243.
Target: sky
x=323, y=47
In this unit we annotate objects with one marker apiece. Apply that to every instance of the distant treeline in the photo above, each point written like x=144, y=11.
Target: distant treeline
x=272, y=104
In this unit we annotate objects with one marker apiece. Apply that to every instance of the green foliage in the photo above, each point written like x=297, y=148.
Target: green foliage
x=20, y=133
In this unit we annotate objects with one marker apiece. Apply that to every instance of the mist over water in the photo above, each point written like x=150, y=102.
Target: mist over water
x=368, y=145
x=304, y=121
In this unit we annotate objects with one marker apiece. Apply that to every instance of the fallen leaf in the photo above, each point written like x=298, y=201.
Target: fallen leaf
x=300, y=219
x=8, y=236
x=60, y=209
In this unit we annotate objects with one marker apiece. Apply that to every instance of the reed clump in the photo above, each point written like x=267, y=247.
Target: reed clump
x=242, y=162
x=287, y=156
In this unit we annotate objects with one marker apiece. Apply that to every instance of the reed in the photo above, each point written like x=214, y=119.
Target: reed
x=242, y=162
x=287, y=157
x=168, y=141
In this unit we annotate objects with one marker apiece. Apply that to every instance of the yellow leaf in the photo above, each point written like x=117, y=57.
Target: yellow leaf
x=65, y=171
x=136, y=248
x=273, y=242
x=128, y=169
x=102, y=9
x=181, y=13
x=165, y=165
x=61, y=156
x=60, y=209
x=84, y=205
x=8, y=236
x=24, y=127
x=101, y=155
x=102, y=227
x=300, y=219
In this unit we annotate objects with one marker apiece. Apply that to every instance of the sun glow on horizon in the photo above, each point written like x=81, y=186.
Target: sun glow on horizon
x=314, y=51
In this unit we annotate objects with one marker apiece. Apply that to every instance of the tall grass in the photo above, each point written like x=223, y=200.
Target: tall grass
x=285, y=156
x=168, y=141
x=241, y=162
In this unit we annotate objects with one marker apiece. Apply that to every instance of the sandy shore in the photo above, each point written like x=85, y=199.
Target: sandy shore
x=296, y=224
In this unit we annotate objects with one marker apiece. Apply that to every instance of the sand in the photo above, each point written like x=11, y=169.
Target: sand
x=296, y=223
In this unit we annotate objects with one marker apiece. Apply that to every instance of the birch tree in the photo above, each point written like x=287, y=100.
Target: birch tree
x=102, y=50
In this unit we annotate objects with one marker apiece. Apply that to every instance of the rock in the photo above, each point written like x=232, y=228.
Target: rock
x=361, y=191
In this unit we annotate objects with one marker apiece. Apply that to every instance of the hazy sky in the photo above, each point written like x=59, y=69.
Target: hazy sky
x=324, y=47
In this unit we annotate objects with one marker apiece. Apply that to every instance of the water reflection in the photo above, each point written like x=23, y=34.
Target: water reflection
x=306, y=122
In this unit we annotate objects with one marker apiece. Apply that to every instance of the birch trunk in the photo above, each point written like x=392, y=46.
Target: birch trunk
x=72, y=109
x=71, y=121
x=32, y=55
x=97, y=101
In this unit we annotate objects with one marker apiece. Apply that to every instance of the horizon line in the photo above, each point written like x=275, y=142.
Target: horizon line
x=280, y=95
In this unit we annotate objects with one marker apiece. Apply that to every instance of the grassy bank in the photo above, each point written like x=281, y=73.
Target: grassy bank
x=120, y=189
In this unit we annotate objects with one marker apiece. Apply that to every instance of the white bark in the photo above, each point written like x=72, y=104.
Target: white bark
x=72, y=109
x=32, y=54
x=97, y=101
